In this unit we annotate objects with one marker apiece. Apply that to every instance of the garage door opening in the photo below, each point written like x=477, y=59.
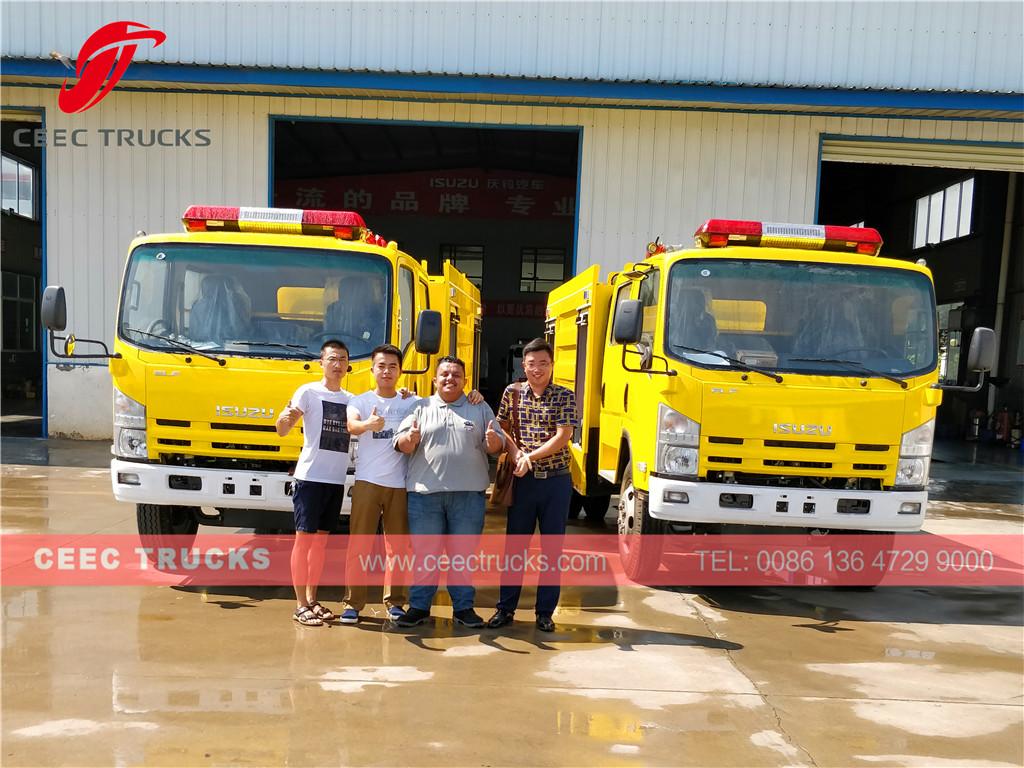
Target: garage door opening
x=956, y=219
x=500, y=203
x=21, y=245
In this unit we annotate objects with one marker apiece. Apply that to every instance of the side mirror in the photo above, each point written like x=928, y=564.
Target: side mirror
x=428, y=332
x=981, y=355
x=53, y=310
x=627, y=324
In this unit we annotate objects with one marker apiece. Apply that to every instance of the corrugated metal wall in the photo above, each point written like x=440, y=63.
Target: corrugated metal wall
x=901, y=45
x=644, y=173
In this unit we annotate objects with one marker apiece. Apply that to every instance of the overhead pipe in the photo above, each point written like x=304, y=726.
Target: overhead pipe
x=1004, y=268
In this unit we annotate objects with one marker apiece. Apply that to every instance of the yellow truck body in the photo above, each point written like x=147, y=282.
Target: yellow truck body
x=209, y=451
x=781, y=436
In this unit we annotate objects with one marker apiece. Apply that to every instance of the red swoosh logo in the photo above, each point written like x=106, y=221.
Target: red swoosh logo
x=104, y=58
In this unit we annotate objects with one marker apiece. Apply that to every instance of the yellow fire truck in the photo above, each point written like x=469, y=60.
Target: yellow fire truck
x=219, y=325
x=771, y=375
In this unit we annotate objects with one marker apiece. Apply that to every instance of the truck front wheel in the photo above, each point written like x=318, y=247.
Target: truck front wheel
x=160, y=520
x=641, y=537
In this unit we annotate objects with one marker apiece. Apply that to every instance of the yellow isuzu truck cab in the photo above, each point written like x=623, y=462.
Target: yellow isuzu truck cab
x=773, y=375
x=220, y=324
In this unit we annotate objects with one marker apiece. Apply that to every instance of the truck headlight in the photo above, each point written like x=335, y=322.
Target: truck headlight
x=918, y=441
x=915, y=456
x=129, y=427
x=127, y=412
x=678, y=441
x=678, y=460
x=130, y=442
x=912, y=472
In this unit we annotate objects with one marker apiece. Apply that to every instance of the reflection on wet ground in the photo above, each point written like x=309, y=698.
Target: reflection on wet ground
x=632, y=676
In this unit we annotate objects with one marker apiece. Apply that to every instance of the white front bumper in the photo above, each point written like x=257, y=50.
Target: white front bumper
x=704, y=506
x=251, y=490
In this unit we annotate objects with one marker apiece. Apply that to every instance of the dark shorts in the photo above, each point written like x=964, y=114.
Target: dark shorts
x=317, y=505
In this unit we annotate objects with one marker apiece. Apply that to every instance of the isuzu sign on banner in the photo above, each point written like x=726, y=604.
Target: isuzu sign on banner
x=102, y=61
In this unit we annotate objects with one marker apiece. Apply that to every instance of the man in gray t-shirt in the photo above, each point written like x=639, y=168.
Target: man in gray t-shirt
x=447, y=441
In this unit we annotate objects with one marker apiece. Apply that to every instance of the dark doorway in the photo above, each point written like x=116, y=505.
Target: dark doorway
x=21, y=245
x=954, y=219
x=500, y=203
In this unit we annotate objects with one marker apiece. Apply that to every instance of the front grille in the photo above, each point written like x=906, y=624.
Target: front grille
x=792, y=463
x=245, y=447
x=870, y=467
x=243, y=427
x=726, y=440
x=226, y=462
x=172, y=423
x=799, y=444
x=794, y=481
x=725, y=459
x=871, y=447
x=169, y=441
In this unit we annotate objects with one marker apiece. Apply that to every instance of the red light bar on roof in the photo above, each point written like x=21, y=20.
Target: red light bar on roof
x=344, y=225
x=717, y=233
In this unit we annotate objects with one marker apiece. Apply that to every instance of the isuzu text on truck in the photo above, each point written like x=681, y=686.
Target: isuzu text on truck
x=772, y=375
x=219, y=325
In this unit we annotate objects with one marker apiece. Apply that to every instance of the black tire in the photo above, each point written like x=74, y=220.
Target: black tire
x=159, y=520
x=156, y=522
x=872, y=577
x=641, y=538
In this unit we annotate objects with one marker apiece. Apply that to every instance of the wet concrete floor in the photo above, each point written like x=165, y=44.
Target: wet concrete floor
x=633, y=676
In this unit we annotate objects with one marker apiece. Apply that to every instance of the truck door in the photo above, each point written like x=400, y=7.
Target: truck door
x=613, y=393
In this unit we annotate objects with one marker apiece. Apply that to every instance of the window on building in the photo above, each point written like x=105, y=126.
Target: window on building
x=19, y=312
x=944, y=215
x=18, y=187
x=468, y=259
x=542, y=269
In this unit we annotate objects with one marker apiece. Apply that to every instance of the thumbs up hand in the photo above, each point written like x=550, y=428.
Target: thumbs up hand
x=375, y=421
x=493, y=437
x=414, y=433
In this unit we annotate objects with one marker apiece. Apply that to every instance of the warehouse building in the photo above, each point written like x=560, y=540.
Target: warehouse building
x=523, y=142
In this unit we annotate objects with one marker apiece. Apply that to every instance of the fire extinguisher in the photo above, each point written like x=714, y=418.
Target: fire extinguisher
x=1015, y=431
x=1003, y=425
x=974, y=425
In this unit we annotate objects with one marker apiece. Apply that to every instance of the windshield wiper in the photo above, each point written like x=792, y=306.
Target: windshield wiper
x=309, y=355
x=736, y=363
x=855, y=364
x=180, y=344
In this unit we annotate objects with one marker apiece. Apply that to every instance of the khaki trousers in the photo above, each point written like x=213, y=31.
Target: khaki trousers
x=371, y=503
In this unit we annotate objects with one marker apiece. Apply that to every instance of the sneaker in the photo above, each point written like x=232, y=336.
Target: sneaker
x=500, y=618
x=412, y=617
x=468, y=618
x=349, y=616
x=395, y=612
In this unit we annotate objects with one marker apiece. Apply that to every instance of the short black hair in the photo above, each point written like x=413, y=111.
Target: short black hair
x=333, y=343
x=538, y=345
x=387, y=349
x=450, y=359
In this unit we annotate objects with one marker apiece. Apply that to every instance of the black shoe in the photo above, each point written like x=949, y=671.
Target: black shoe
x=413, y=617
x=468, y=618
x=545, y=624
x=500, y=618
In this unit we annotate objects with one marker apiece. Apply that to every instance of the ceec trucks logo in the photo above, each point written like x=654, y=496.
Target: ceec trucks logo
x=102, y=61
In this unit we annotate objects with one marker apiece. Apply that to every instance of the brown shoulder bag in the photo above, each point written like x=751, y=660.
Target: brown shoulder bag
x=504, y=479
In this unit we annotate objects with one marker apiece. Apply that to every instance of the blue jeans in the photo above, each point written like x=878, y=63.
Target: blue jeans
x=544, y=504
x=432, y=516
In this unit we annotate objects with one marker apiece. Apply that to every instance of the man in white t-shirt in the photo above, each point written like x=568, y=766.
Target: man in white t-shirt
x=319, y=485
x=379, y=491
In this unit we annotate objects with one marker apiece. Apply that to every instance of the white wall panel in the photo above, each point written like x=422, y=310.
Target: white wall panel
x=909, y=45
x=644, y=174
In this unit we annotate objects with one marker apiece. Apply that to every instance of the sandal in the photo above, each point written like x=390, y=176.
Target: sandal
x=306, y=617
x=321, y=611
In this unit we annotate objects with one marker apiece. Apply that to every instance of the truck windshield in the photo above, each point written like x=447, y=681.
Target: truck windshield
x=802, y=317
x=254, y=301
